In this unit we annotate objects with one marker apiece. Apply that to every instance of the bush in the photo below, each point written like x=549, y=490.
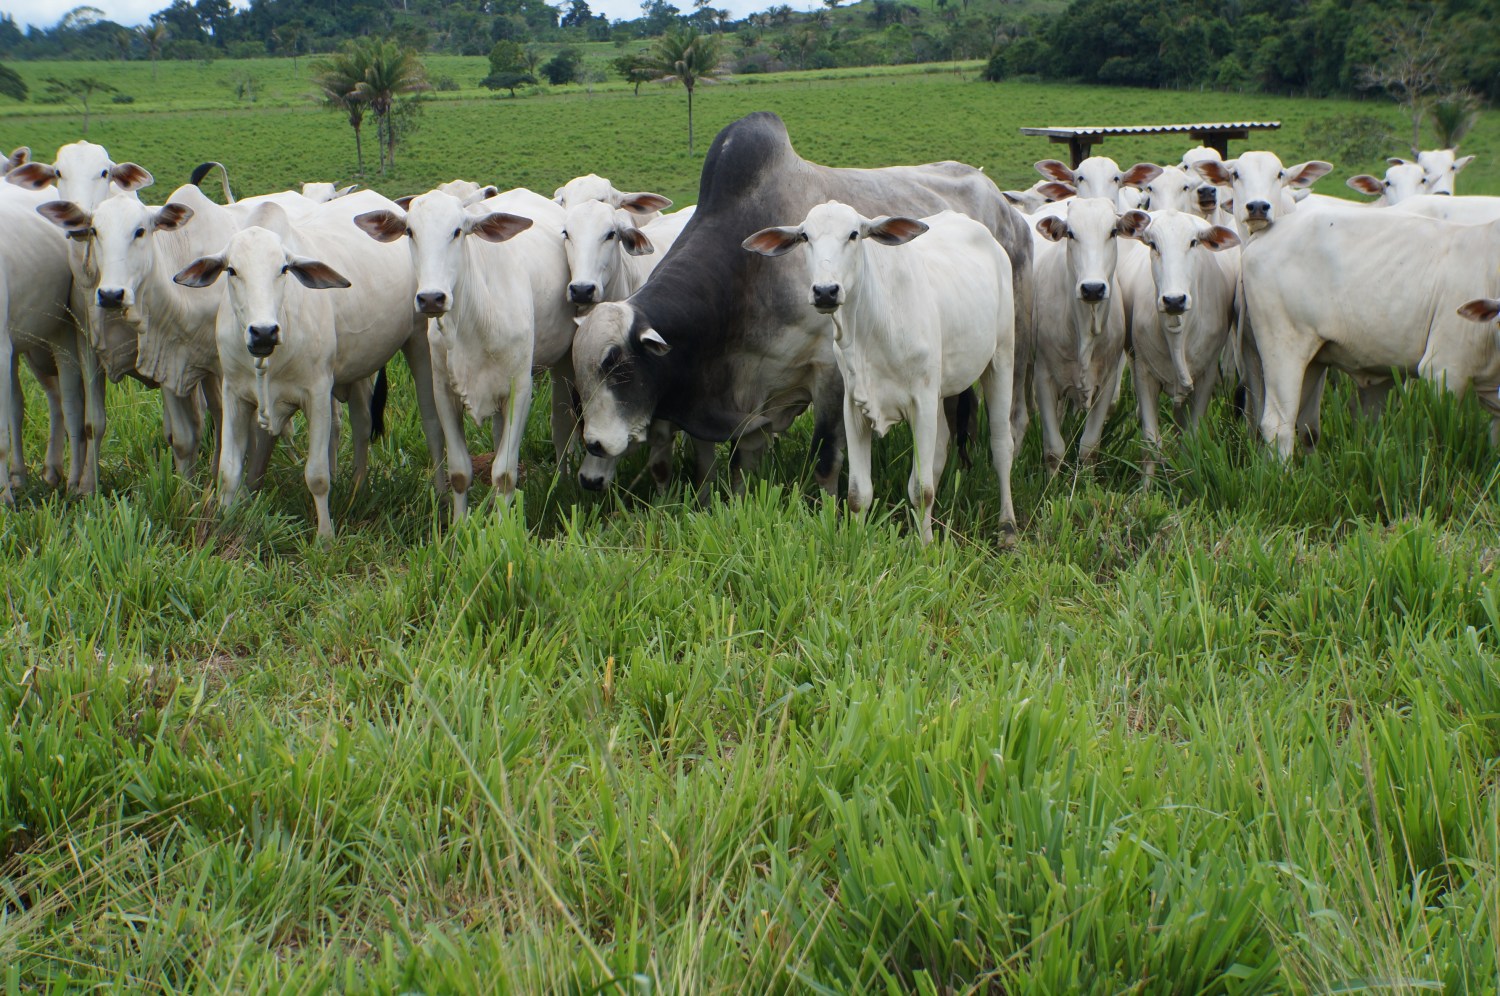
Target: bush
x=122, y=98
x=822, y=59
x=445, y=84
x=563, y=67
x=994, y=70
x=1352, y=138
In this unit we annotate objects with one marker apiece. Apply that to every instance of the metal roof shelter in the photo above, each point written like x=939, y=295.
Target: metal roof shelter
x=1214, y=135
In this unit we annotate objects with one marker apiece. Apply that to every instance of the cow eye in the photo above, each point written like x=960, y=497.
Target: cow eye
x=140, y=233
x=611, y=357
x=457, y=232
x=1234, y=174
x=1281, y=175
x=287, y=268
x=104, y=172
x=609, y=235
x=229, y=272
x=853, y=236
x=1193, y=244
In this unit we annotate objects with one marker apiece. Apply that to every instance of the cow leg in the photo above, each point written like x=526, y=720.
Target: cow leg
x=450, y=415
x=1047, y=410
x=262, y=444
x=54, y=468
x=70, y=386
x=564, y=417
x=508, y=428
x=94, y=419
x=997, y=384
x=1284, y=382
x=239, y=420
x=419, y=362
x=182, y=417
x=208, y=389
x=360, y=425
x=1369, y=400
x=10, y=432
x=15, y=413
x=827, y=446
x=921, y=488
x=857, y=438
x=1309, y=412
x=748, y=450
x=1203, y=394
x=1148, y=399
x=659, y=463
x=1099, y=411
x=322, y=437
x=703, y=466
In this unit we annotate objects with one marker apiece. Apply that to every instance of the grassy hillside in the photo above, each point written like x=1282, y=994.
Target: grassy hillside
x=1232, y=734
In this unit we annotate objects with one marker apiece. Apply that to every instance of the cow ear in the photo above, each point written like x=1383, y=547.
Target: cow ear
x=382, y=226
x=1306, y=174
x=497, y=226
x=342, y=191
x=1215, y=172
x=635, y=241
x=129, y=176
x=170, y=217
x=652, y=342
x=1052, y=229
x=1484, y=309
x=643, y=203
x=1218, y=238
x=315, y=274
x=482, y=194
x=1054, y=170
x=18, y=158
x=404, y=202
x=1055, y=191
x=201, y=272
x=32, y=176
x=893, y=231
x=773, y=241
x=66, y=215
x=557, y=195
x=1366, y=184
x=1132, y=223
x=1139, y=174
x=1395, y=161
x=1016, y=197
x=1458, y=164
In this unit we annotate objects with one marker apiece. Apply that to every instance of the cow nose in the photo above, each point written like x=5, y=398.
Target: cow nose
x=825, y=295
x=1258, y=209
x=590, y=483
x=1174, y=304
x=112, y=298
x=595, y=448
x=1092, y=291
x=263, y=339
x=581, y=293
x=1207, y=196
x=432, y=302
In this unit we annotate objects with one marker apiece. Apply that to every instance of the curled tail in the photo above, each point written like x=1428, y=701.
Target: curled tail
x=203, y=169
x=377, y=405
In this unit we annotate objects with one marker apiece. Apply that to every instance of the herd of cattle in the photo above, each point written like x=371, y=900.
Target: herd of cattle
x=873, y=296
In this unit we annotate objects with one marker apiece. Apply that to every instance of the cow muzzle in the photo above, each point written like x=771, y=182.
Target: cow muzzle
x=827, y=297
x=432, y=302
x=1174, y=304
x=1093, y=291
x=262, y=340
x=582, y=293
x=111, y=298
x=1208, y=197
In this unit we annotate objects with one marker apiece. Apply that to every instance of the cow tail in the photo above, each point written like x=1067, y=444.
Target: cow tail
x=963, y=425
x=377, y=405
x=203, y=169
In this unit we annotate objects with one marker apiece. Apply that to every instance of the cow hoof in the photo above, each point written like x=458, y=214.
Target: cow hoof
x=1008, y=535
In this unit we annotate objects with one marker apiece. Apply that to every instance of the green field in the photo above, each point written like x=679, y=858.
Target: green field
x=1234, y=734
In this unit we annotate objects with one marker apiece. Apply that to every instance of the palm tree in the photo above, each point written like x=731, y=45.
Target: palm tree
x=391, y=71
x=686, y=57
x=1453, y=116
x=338, y=78
x=154, y=35
x=287, y=37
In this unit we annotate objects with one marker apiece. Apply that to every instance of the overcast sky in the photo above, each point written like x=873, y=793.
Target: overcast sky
x=45, y=13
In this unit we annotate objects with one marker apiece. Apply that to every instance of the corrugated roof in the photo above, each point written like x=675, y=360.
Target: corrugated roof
x=1156, y=129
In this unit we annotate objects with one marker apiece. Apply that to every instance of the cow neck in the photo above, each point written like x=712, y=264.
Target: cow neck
x=862, y=321
x=176, y=343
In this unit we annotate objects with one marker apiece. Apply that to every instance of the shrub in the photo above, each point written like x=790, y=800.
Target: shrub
x=445, y=84
x=994, y=70
x=122, y=98
x=563, y=67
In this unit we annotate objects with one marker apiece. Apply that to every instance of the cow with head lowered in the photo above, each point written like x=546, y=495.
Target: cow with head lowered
x=721, y=341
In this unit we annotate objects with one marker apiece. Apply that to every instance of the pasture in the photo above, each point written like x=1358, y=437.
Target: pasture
x=1234, y=733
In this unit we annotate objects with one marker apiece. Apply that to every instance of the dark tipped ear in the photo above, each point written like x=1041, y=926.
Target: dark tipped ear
x=1054, y=170
x=1366, y=184
x=1458, y=164
x=1395, y=161
x=1218, y=237
x=404, y=203
x=635, y=241
x=894, y=231
x=1140, y=173
x=382, y=226
x=1214, y=172
x=1484, y=309
x=18, y=158
x=1132, y=223
x=1015, y=197
x=1052, y=229
x=32, y=176
x=129, y=176
x=170, y=217
x=643, y=203
x=773, y=241
x=66, y=215
x=1054, y=191
x=498, y=226
x=316, y=274
x=652, y=342
x=201, y=272
x=1304, y=174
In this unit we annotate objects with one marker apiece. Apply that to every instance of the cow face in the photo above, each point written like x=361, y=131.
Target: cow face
x=435, y=226
x=1258, y=179
x=1441, y=167
x=1175, y=239
x=1090, y=229
x=614, y=367
x=82, y=174
x=594, y=235
x=1043, y=192
x=596, y=188
x=1099, y=176
x=1173, y=189
x=124, y=233
x=1402, y=181
x=833, y=233
x=257, y=266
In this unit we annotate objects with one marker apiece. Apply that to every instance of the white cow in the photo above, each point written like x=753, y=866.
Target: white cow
x=912, y=326
x=1441, y=167
x=488, y=280
x=294, y=331
x=1080, y=318
x=1178, y=334
x=1038, y=195
x=1261, y=186
x=1100, y=176
x=1402, y=181
x=1318, y=294
x=84, y=174
x=593, y=187
x=467, y=191
x=1468, y=209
